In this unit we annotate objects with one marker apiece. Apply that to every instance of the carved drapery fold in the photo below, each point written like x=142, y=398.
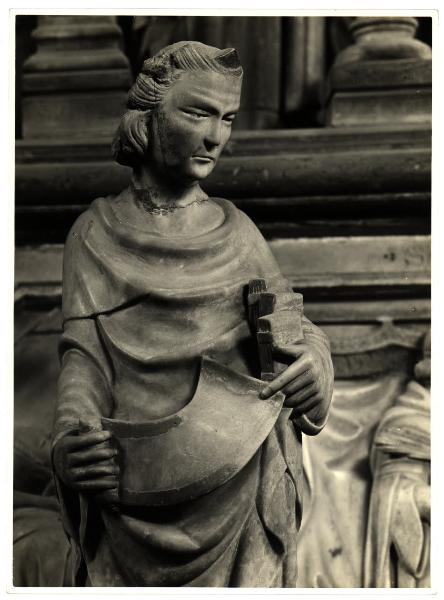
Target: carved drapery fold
x=397, y=550
x=335, y=527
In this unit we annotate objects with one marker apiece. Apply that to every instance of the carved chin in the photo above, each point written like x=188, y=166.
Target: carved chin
x=200, y=169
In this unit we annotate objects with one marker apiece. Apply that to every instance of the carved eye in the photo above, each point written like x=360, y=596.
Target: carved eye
x=195, y=113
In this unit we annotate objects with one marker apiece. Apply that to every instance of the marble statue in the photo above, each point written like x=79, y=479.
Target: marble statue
x=176, y=463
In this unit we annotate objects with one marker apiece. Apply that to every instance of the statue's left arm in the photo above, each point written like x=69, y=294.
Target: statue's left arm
x=308, y=380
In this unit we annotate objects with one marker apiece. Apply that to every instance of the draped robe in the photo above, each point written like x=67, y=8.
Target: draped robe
x=397, y=552
x=139, y=310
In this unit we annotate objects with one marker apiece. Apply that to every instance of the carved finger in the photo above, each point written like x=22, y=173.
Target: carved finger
x=94, y=454
x=301, y=398
x=306, y=406
x=84, y=440
x=94, y=471
x=102, y=483
x=292, y=372
x=306, y=378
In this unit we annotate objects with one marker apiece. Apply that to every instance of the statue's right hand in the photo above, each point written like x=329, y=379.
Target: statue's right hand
x=87, y=462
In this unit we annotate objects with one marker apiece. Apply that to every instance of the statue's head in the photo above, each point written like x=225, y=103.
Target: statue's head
x=180, y=111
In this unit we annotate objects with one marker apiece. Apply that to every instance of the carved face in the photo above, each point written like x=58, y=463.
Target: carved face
x=192, y=124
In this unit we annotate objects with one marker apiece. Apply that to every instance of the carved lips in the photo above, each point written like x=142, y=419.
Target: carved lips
x=204, y=158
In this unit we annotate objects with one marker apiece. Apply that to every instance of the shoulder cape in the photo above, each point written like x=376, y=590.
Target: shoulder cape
x=109, y=263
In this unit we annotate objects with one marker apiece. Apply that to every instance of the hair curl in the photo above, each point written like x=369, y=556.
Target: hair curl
x=158, y=74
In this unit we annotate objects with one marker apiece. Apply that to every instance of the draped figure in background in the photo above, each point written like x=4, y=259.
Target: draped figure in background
x=174, y=465
x=397, y=552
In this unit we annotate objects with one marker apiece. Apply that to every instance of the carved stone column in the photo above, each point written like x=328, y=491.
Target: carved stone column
x=384, y=77
x=75, y=84
x=304, y=56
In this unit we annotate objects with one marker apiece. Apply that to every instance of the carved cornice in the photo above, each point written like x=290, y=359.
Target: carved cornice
x=272, y=164
x=361, y=267
x=368, y=336
x=285, y=175
x=385, y=336
x=384, y=348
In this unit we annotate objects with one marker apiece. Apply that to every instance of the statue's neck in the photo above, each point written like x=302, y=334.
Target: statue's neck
x=156, y=193
x=162, y=203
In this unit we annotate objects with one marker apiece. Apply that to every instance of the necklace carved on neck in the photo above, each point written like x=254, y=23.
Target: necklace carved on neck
x=143, y=196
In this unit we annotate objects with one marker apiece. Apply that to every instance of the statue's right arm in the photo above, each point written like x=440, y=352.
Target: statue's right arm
x=83, y=460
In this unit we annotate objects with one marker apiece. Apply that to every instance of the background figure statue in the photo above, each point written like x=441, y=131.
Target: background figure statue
x=174, y=465
x=398, y=538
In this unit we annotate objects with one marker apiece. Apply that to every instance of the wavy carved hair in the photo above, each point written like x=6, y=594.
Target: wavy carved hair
x=158, y=74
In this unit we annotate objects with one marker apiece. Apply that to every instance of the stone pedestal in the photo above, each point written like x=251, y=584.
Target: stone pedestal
x=76, y=82
x=385, y=77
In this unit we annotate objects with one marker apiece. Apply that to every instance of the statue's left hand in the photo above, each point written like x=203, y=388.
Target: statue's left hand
x=304, y=382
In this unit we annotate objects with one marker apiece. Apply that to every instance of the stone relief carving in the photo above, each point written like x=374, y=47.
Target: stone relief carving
x=356, y=509
x=397, y=550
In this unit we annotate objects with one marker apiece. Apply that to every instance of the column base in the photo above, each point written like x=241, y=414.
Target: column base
x=67, y=115
x=379, y=92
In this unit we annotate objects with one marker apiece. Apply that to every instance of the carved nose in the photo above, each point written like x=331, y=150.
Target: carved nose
x=213, y=136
